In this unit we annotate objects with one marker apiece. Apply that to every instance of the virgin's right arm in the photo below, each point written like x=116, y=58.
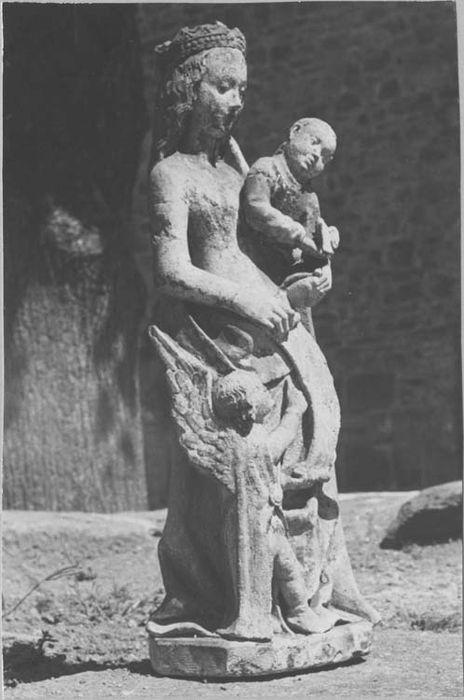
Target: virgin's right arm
x=173, y=269
x=174, y=272
x=178, y=277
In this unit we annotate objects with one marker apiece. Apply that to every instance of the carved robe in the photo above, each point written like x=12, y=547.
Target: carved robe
x=215, y=554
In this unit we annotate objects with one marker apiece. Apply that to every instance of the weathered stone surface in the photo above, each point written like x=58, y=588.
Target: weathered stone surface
x=253, y=547
x=220, y=658
x=434, y=515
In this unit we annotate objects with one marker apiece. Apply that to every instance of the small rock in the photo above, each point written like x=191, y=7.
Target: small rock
x=51, y=619
x=433, y=516
x=87, y=574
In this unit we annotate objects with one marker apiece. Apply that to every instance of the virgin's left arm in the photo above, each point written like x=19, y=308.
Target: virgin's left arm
x=282, y=436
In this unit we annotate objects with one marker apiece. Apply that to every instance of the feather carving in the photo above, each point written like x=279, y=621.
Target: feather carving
x=212, y=448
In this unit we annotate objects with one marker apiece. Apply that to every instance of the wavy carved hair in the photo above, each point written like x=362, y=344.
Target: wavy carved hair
x=175, y=96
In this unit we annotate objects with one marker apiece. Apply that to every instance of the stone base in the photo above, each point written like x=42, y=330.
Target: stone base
x=214, y=657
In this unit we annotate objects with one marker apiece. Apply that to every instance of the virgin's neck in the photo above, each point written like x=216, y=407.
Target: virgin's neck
x=200, y=143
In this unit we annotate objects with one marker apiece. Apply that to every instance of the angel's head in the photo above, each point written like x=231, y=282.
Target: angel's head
x=241, y=399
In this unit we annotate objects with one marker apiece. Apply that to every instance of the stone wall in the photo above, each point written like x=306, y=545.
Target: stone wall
x=384, y=74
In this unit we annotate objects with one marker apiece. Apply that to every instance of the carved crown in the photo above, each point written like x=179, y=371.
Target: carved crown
x=192, y=40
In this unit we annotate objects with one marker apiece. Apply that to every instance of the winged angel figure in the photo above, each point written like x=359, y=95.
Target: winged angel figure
x=219, y=412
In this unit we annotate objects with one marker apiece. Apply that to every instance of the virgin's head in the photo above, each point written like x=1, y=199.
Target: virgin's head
x=202, y=82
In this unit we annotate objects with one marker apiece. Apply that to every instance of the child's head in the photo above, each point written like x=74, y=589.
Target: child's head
x=310, y=146
x=241, y=399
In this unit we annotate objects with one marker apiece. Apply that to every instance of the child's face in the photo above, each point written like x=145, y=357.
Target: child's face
x=310, y=147
x=242, y=399
x=261, y=402
x=257, y=401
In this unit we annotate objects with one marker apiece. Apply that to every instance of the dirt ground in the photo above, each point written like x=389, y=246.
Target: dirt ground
x=81, y=632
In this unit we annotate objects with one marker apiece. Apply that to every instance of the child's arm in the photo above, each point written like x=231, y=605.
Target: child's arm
x=260, y=213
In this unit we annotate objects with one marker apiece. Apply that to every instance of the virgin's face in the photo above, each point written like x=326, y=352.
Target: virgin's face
x=221, y=92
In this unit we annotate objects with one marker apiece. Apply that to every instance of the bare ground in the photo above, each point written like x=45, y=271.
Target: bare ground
x=83, y=631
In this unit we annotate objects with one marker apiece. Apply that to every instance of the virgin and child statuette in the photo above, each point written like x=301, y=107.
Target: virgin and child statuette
x=255, y=568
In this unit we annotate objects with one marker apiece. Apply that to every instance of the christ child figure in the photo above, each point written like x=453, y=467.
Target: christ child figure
x=279, y=204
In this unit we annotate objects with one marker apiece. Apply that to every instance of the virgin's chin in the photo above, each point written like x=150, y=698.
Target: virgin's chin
x=220, y=131
x=306, y=176
x=314, y=172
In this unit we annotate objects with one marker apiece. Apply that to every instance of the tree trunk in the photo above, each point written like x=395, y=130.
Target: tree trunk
x=74, y=118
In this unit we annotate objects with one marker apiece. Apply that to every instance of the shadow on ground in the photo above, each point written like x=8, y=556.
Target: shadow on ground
x=44, y=669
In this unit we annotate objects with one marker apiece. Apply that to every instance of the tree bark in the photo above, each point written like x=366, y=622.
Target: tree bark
x=74, y=118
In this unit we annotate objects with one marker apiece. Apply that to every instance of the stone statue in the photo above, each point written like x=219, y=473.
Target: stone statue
x=254, y=564
x=285, y=233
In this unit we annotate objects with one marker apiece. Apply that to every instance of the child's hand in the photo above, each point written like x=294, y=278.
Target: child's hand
x=329, y=237
x=324, y=278
x=298, y=235
x=334, y=237
x=307, y=245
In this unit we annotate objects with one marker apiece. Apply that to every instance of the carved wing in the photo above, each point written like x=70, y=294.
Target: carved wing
x=212, y=449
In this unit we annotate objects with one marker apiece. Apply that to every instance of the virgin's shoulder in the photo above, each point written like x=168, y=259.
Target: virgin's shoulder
x=169, y=176
x=229, y=171
x=187, y=175
x=173, y=166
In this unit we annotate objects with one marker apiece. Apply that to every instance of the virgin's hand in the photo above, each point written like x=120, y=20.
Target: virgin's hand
x=236, y=157
x=272, y=311
x=311, y=289
x=296, y=402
